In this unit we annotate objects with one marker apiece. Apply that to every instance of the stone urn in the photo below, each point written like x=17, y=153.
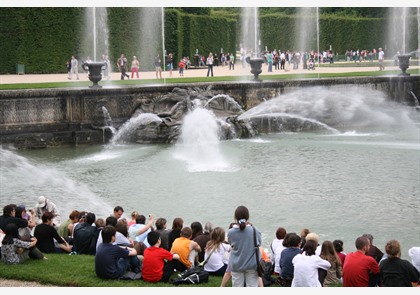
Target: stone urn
x=256, y=65
x=404, y=63
x=95, y=72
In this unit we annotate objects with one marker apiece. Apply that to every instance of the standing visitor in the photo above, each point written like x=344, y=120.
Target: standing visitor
x=170, y=64
x=158, y=67
x=231, y=61
x=74, y=67
x=242, y=259
x=270, y=61
x=135, y=67
x=122, y=66
x=381, y=56
x=68, y=66
x=181, y=66
x=210, y=64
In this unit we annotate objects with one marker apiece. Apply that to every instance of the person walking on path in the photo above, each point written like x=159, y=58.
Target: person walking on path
x=122, y=66
x=210, y=64
x=158, y=67
x=135, y=64
x=74, y=67
x=381, y=56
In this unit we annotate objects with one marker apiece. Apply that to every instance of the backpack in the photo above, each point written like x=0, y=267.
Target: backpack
x=194, y=275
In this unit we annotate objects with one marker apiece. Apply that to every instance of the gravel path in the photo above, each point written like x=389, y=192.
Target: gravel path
x=16, y=283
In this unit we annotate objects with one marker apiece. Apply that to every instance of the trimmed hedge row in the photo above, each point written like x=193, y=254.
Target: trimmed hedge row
x=44, y=38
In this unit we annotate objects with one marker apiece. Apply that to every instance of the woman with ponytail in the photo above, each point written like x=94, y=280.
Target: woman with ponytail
x=242, y=260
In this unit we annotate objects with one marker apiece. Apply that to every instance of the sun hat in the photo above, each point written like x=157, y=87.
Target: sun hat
x=42, y=201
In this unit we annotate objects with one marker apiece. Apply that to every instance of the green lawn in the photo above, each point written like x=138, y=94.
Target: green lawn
x=74, y=271
x=187, y=80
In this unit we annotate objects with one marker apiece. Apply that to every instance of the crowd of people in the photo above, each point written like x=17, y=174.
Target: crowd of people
x=148, y=248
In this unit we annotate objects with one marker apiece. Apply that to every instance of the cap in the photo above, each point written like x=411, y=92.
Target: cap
x=22, y=206
x=41, y=201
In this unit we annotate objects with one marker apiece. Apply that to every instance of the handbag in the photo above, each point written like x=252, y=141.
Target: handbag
x=257, y=251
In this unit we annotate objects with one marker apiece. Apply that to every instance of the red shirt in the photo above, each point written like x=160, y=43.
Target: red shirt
x=153, y=263
x=181, y=64
x=356, y=269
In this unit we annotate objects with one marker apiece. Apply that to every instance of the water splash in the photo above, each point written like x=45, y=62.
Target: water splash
x=127, y=131
x=31, y=179
x=95, y=39
x=199, y=144
x=108, y=120
x=339, y=107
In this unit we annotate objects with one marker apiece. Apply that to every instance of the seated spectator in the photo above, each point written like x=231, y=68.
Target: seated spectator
x=138, y=231
x=203, y=239
x=216, y=257
x=66, y=228
x=277, y=247
x=134, y=215
x=14, y=250
x=292, y=243
x=186, y=249
x=306, y=265
x=359, y=267
x=157, y=263
x=85, y=236
x=120, y=239
x=335, y=272
x=339, y=248
x=25, y=234
x=177, y=225
x=397, y=272
x=163, y=231
x=46, y=205
x=9, y=216
x=112, y=261
x=314, y=237
x=49, y=241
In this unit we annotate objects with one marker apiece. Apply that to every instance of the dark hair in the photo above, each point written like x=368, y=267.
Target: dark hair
x=7, y=210
x=153, y=237
x=160, y=223
x=241, y=216
x=197, y=229
x=141, y=219
x=74, y=214
x=111, y=220
x=47, y=216
x=361, y=242
x=19, y=212
x=281, y=233
x=107, y=233
x=338, y=245
x=118, y=208
x=122, y=228
x=393, y=249
x=178, y=223
x=90, y=218
x=310, y=247
x=291, y=240
x=11, y=232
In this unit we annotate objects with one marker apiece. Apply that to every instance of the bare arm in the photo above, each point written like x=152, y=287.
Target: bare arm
x=148, y=225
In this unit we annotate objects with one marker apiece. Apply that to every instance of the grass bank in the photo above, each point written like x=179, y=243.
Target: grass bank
x=74, y=271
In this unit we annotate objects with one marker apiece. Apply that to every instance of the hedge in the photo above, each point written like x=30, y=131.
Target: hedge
x=44, y=38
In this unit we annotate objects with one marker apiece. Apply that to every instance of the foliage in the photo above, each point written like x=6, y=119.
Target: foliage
x=44, y=38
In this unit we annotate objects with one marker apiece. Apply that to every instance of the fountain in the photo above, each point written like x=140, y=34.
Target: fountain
x=250, y=39
x=321, y=148
x=404, y=63
x=96, y=33
x=95, y=70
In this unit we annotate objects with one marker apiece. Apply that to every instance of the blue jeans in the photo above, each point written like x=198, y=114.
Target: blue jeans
x=131, y=263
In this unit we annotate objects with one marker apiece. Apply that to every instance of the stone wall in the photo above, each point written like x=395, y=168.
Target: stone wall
x=53, y=117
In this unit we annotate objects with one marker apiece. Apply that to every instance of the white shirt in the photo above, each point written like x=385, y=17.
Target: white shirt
x=306, y=270
x=218, y=258
x=277, y=248
x=381, y=55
